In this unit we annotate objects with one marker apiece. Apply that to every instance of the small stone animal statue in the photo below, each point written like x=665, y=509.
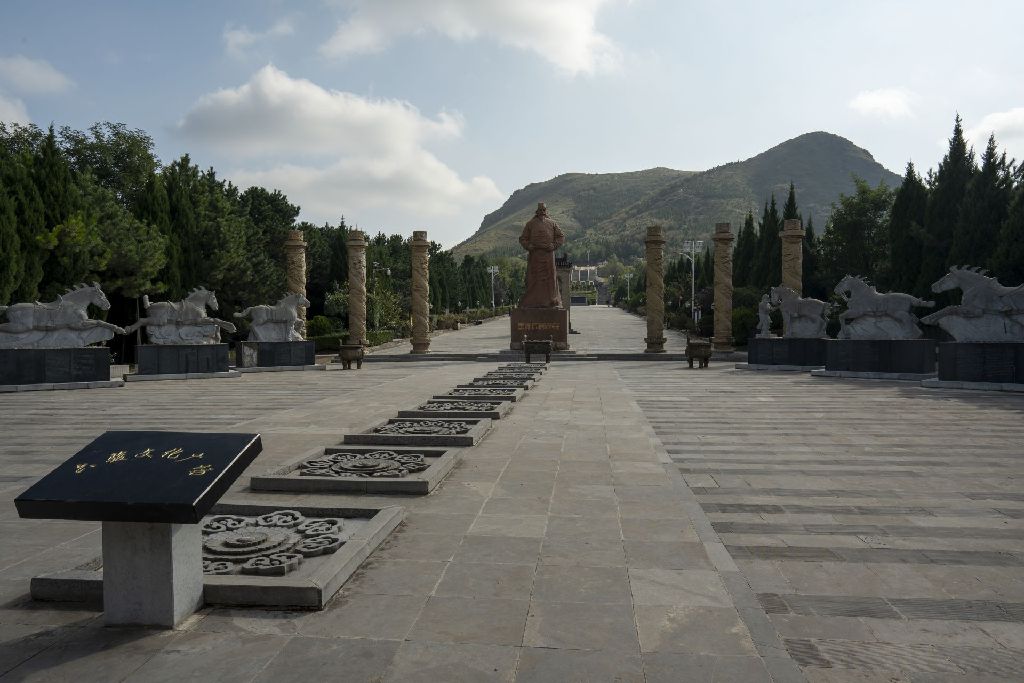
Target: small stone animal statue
x=277, y=323
x=801, y=318
x=988, y=310
x=182, y=322
x=62, y=323
x=871, y=314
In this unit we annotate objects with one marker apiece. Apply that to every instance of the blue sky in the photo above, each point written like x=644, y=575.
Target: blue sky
x=409, y=114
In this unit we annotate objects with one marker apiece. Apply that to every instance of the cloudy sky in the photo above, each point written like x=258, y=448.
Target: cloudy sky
x=417, y=114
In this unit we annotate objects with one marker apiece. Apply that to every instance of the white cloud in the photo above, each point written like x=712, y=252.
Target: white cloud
x=32, y=76
x=335, y=152
x=238, y=39
x=885, y=103
x=13, y=110
x=561, y=31
x=1007, y=126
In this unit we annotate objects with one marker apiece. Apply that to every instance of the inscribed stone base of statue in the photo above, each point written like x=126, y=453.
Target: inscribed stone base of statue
x=540, y=324
x=180, y=359
x=250, y=354
x=787, y=351
x=996, y=362
x=892, y=356
x=54, y=366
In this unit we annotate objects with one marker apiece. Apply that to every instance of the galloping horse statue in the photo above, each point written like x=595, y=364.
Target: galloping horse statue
x=280, y=322
x=182, y=322
x=988, y=310
x=870, y=314
x=62, y=323
x=801, y=318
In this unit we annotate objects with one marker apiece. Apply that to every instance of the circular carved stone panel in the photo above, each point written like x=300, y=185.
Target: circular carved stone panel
x=384, y=464
x=425, y=427
x=269, y=545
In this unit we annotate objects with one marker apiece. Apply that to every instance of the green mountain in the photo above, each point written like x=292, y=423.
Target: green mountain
x=609, y=212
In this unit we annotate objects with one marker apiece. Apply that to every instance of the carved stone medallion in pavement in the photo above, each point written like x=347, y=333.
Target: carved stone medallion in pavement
x=269, y=545
x=431, y=427
x=382, y=463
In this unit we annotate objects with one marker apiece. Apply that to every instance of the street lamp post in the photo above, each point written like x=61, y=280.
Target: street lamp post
x=493, y=270
x=629, y=276
x=690, y=248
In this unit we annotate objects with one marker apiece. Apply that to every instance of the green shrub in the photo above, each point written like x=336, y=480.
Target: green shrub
x=744, y=324
x=378, y=337
x=320, y=325
x=329, y=343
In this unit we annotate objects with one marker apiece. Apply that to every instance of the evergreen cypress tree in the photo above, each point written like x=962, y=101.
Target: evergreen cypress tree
x=767, y=270
x=811, y=265
x=33, y=239
x=1007, y=262
x=905, y=229
x=790, y=211
x=10, y=251
x=943, y=210
x=985, y=207
x=153, y=207
x=743, y=254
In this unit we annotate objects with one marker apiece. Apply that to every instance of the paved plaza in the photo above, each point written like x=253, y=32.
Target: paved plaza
x=628, y=521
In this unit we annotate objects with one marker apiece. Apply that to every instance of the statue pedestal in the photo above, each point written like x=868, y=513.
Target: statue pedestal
x=993, y=362
x=181, y=359
x=795, y=352
x=54, y=366
x=257, y=354
x=540, y=324
x=879, y=358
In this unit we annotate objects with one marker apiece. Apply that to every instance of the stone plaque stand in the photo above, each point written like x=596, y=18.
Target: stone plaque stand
x=152, y=573
x=563, y=271
x=540, y=324
x=792, y=235
x=420, y=292
x=723, y=239
x=356, y=287
x=295, y=265
x=655, y=247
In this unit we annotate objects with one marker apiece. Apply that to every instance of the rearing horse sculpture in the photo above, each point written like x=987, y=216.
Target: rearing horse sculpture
x=988, y=310
x=182, y=322
x=280, y=322
x=801, y=318
x=871, y=314
x=62, y=323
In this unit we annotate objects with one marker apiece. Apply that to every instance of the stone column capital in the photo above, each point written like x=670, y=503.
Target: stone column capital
x=792, y=229
x=655, y=236
x=723, y=234
x=356, y=239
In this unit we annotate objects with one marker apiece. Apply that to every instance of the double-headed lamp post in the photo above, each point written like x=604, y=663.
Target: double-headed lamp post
x=493, y=270
x=690, y=248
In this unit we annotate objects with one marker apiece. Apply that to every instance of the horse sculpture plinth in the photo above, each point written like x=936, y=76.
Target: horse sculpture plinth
x=45, y=368
x=792, y=353
x=279, y=354
x=879, y=358
x=181, y=361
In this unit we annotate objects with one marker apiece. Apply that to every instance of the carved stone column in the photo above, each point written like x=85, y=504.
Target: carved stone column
x=420, y=292
x=655, y=248
x=792, y=235
x=722, y=341
x=356, y=287
x=295, y=267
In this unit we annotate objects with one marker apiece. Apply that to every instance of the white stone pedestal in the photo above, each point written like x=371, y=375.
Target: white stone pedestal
x=152, y=573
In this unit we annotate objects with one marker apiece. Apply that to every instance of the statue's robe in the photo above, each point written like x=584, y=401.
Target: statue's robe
x=541, y=237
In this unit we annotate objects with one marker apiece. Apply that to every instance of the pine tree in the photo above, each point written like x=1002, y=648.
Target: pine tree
x=985, y=206
x=1007, y=260
x=10, y=251
x=790, y=210
x=743, y=254
x=943, y=211
x=905, y=229
x=16, y=181
x=811, y=266
x=154, y=208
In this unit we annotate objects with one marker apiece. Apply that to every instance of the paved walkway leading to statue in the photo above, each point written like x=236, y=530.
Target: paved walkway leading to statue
x=630, y=521
x=602, y=329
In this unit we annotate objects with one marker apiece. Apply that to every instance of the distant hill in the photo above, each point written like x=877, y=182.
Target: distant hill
x=609, y=212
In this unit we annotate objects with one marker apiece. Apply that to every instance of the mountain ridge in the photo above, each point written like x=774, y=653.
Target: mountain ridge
x=609, y=212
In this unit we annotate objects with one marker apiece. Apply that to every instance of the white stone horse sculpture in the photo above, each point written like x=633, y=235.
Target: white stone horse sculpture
x=60, y=324
x=801, y=318
x=988, y=310
x=182, y=322
x=870, y=314
x=277, y=323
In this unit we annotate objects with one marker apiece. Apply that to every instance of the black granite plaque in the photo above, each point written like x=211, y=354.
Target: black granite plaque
x=274, y=354
x=996, y=362
x=786, y=351
x=180, y=359
x=895, y=356
x=168, y=477
x=53, y=366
